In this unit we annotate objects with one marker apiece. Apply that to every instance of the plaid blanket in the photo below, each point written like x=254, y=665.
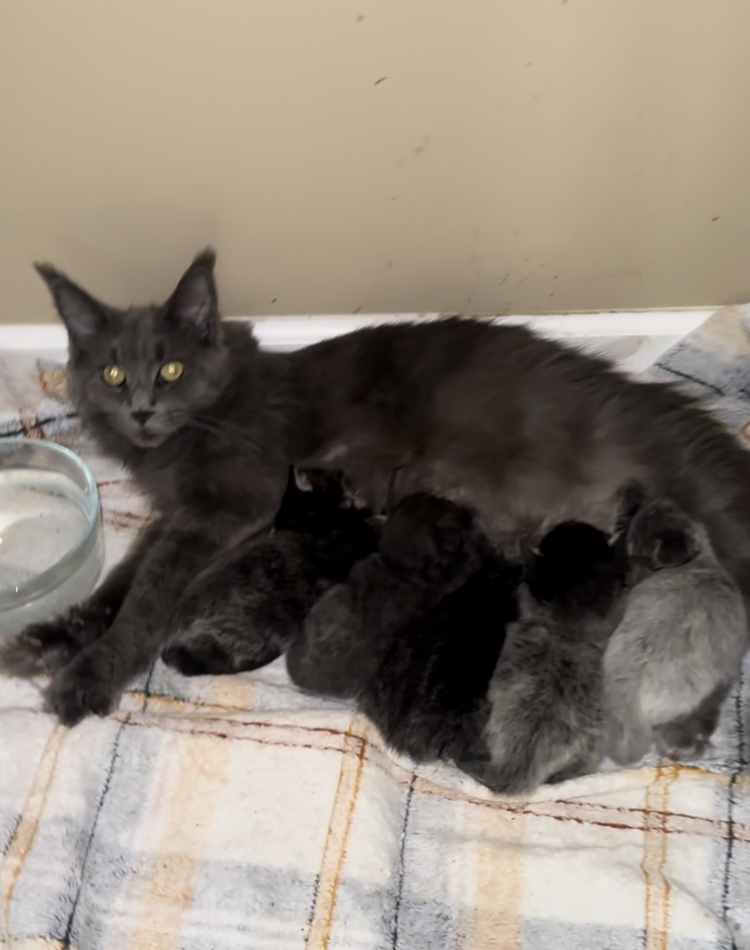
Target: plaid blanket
x=226, y=813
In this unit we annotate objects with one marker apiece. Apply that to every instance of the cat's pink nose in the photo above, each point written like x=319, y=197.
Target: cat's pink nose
x=142, y=416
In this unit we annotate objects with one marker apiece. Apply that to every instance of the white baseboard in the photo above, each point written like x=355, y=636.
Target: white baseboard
x=292, y=332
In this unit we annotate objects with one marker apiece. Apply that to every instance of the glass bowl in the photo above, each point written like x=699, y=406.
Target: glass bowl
x=51, y=539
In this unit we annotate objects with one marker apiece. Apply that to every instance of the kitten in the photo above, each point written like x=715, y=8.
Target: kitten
x=679, y=647
x=428, y=547
x=523, y=430
x=545, y=722
x=241, y=615
x=429, y=698
x=414, y=634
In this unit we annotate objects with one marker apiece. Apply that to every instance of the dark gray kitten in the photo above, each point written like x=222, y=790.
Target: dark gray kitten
x=415, y=632
x=525, y=431
x=679, y=647
x=241, y=615
x=546, y=719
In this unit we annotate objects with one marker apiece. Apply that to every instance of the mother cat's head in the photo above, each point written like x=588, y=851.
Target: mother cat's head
x=145, y=371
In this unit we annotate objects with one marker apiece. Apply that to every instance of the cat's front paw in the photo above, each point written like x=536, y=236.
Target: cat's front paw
x=45, y=648
x=79, y=690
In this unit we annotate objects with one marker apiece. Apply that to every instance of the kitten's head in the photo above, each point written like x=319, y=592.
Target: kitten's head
x=433, y=540
x=316, y=504
x=663, y=534
x=575, y=567
x=147, y=371
x=312, y=500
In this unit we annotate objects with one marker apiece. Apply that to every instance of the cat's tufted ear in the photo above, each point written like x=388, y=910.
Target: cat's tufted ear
x=193, y=307
x=83, y=316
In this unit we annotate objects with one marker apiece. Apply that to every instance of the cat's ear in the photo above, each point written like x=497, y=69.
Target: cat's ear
x=83, y=316
x=193, y=307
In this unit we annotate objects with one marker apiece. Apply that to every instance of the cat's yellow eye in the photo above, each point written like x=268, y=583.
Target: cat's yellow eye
x=113, y=375
x=170, y=372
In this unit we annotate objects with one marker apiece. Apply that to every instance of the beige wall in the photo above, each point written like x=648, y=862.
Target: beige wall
x=389, y=155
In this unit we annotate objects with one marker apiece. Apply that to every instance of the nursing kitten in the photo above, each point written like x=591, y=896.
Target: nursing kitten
x=414, y=634
x=679, y=647
x=428, y=547
x=525, y=431
x=545, y=721
x=241, y=615
x=429, y=697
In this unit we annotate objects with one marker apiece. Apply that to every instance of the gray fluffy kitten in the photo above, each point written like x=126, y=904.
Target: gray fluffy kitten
x=546, y=714
x=679, y=648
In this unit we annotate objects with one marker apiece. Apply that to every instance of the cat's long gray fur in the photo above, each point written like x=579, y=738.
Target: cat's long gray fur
x=679, y=647
x=522, y=429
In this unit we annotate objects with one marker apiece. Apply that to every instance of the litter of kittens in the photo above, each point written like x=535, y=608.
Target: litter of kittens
x=218, y=811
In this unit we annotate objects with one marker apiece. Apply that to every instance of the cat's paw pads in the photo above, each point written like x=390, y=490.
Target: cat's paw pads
x=78, y=691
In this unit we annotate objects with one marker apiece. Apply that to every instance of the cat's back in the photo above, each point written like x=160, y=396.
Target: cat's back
x=418, y=366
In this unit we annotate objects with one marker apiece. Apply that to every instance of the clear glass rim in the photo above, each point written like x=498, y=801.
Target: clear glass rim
x=57, y=573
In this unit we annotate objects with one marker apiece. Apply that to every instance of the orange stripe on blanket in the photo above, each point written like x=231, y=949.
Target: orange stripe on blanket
x=334, y=850
x=174, y=835
x=23, y=837
x=498, y=840
x=655, y=844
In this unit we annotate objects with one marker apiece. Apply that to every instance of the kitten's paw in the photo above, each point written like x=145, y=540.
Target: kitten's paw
x=677, y=741
x=45, y=648
x=79, y=690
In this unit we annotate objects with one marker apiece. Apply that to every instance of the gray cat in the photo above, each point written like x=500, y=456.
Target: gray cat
x=526, y=432
x=679, y=647
x=546, y=720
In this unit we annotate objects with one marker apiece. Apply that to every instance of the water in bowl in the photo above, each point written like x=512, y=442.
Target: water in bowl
x=42, y=516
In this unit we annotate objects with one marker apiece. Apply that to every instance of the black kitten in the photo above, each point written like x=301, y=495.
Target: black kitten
x=415, y=633
x=429, y=697
x=546, y=719
x=243, y=611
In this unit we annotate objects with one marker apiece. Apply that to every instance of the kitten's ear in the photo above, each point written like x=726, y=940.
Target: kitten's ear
x=83, y=316
x=301, y=480
x=193, y=306
x=529, y=561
